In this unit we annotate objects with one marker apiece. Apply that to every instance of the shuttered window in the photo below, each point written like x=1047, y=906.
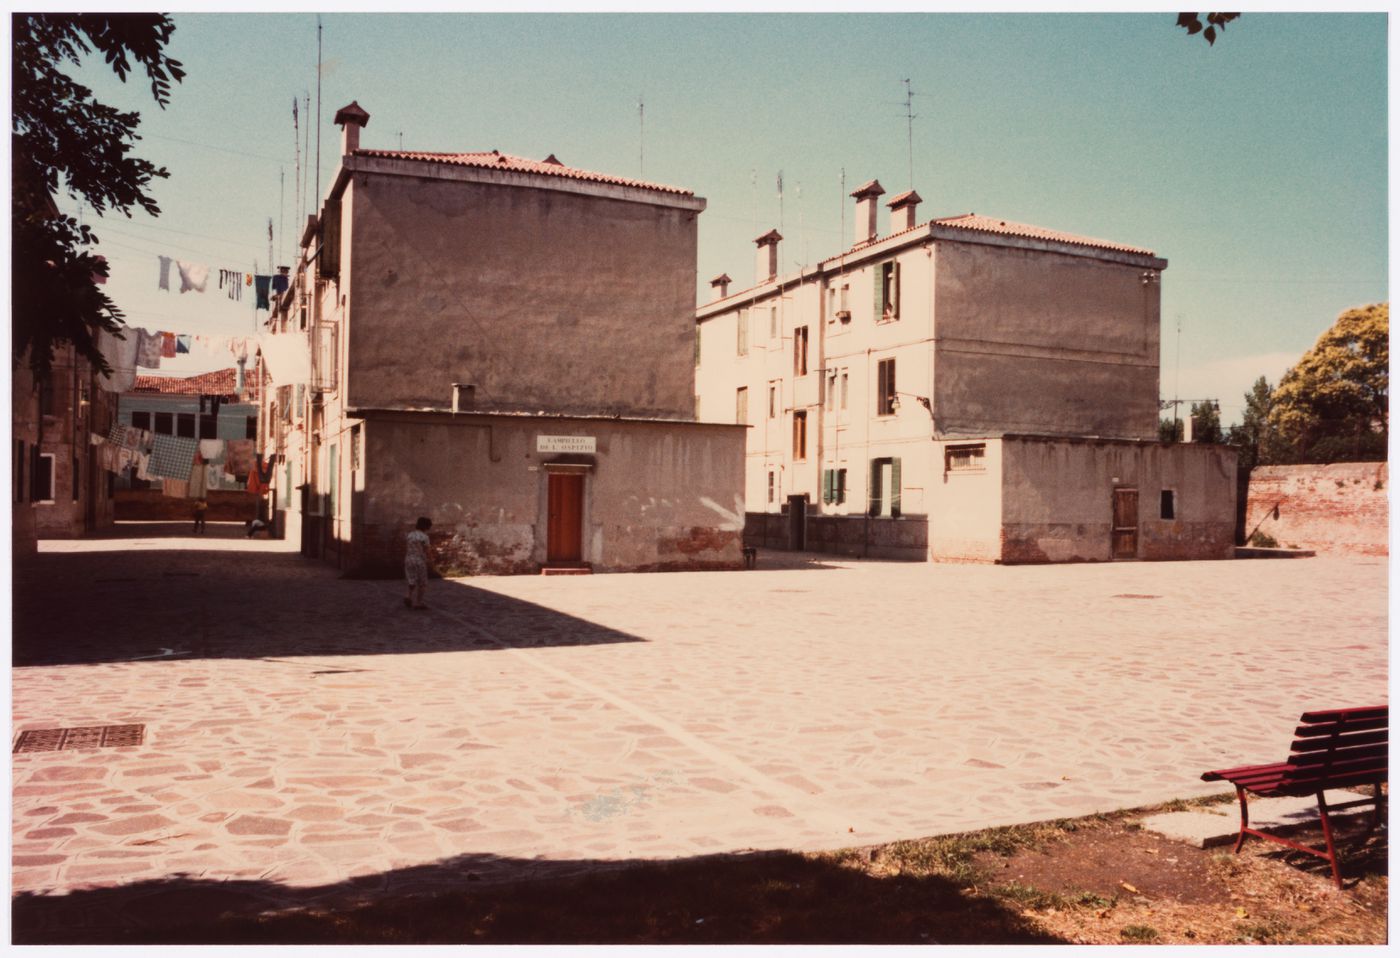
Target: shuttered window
x=742, y=346
x=887, y=292
x=329, y=256
x=884, y=395
x=799, y=434
x=885, y=486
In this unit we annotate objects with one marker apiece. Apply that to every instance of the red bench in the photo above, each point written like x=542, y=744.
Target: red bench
x=1340, y=748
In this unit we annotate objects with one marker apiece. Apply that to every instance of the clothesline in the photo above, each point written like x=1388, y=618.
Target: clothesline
x=194, y=278
x=189, y=466
x=146, y=348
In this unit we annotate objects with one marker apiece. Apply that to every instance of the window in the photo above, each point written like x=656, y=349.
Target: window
x=830, y=390
x=165, y=424
x=141, y=420
x=831, y=304
x=208, y=427
x=741, y=405
x=846, y=298
x=965, y=458
x=77, y=478
x=773, y=330
x=887, y=292
x=1168, y=504
x=184, y=425
x=884, y=389
x=354, y=448
x=250, y=431
x=833, y=486
x=773, y=387
x=799, y=351
x=42, y=488
x=771, y=485
x=885, y=487
x=742, y=324
x=46, y=397
x=799, y=434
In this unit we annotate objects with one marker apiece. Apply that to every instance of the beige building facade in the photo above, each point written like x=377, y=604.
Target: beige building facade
x=505, y=346
x=858, y=374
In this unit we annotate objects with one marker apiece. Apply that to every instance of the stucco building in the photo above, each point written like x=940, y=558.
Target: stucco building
x=504, y=345
x=964, y=388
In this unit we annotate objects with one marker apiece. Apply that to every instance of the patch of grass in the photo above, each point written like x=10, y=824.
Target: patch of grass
x=1262, y=540
x=1090, y=899
x=1028, y=897
x=1263, y=933
x=1138, y=933
x=1208, y=801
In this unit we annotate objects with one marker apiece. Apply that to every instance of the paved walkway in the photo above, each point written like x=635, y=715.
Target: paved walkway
x=309, y=739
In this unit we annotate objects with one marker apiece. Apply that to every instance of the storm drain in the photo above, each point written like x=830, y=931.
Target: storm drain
x=66, y=739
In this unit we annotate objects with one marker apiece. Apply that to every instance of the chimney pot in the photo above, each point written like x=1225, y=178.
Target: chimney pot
x=720, y=285
x=766, y=265
x=908, y=203
x=867, y=198
x=350, y=119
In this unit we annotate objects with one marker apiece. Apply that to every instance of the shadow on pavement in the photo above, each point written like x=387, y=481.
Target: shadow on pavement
x=758, y=898
x=153, y=603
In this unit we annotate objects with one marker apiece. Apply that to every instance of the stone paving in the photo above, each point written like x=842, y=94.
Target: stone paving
x=309, y=739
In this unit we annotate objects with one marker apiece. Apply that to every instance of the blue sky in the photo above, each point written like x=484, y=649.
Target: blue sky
x=1257, y=167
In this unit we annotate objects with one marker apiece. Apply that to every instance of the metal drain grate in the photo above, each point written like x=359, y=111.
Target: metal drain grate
x=67, y=739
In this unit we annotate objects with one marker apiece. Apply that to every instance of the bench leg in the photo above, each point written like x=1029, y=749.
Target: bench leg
x=1327, y=834
x=1244, y=818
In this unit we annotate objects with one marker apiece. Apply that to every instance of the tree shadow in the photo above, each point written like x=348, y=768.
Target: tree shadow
x=754, y=898
x=156, y=603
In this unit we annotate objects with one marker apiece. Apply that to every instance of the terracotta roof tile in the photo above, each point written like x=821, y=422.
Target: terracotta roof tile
x=496, y=160
x=990, y=224
x=220, y=382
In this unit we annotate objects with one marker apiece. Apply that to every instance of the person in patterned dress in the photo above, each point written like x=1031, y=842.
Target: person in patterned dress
x=415, y=563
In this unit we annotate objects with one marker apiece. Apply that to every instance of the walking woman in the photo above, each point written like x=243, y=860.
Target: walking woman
x=415, y=563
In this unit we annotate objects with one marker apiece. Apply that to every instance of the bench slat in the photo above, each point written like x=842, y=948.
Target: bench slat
x=1332, y=728
x=1334, y=715
x=1374, y=754
x=1321, y=744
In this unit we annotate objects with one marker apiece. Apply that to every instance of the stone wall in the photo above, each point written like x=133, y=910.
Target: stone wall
x=876, y=538
x=1338, y=508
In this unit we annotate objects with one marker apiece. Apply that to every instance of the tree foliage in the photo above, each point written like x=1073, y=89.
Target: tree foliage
x=1205, y=422
x=1170, y=430
x=64, y=139
x=1333, y=405
x=1254, y=436
x=1191, y=22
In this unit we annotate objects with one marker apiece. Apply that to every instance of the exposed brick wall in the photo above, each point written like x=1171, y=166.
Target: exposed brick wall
x=1341, y=508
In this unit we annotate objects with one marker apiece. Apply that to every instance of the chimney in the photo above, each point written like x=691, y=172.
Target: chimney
x=867, y=197
x=909, y=203
x=350, y=119
x=721, y=286
x=766, y=266
x=238, y=383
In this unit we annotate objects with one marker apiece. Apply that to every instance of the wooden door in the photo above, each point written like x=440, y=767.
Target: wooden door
x=565, y=517
x=1125, y=523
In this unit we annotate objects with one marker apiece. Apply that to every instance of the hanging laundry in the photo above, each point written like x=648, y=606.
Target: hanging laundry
x=168, y=345
x=280, y=283
x=120, y=354
x=143, y=466
x=107, y=457
x=261, y=285
x=232, y=282
x=211, y=450
x=255, y=483
x=198, y=486
x=172, y=457
x=148, y=349
x=193, y=276
x=97, y=439
x=182, y=344
x=265, y=469
x=175, y=488
x=137, y=440
x=123, y=459
x=117, y=434
x=164, y=283
x=240, y=457
x=247, y=279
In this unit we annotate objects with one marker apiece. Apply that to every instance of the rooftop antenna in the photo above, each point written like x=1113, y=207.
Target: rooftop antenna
x=780, y=201
x=843, y=205
x=401, y=140
x=282, y=214
x=753, y=181
x=802, y=225
x=317, y=197
x=910, y=116
x=642, y=137
x=269, y=243
x=1176, y=397
x=296, y=141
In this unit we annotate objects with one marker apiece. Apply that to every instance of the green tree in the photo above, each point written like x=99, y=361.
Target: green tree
x=1333, y=405
x=1205, y=425
x=1254, y=436
x=63, y=139
x=1170, y=430
x=1191, y=23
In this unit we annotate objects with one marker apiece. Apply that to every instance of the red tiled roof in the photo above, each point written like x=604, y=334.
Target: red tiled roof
x=221, y=382
x=989, y=224
x=496, y=160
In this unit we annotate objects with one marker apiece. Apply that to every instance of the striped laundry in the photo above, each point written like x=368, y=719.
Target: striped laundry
x=117, y=434
x=172, y=457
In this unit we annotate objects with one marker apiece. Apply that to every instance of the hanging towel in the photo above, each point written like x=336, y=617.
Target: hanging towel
x=279, y=283
x=164, y=272
x=247, y=279
x=143, y=466
x=261, y=284
x=172, y=457
x=123, y=459
x=167, y=345
x=240, y=457
x=137, y=440
x=211, y=450
x=182, y=344
x=148, y=349
x=193, y=276
x=175, y=488
x=97, y=439
x=265, y=469
x=255, y=483
x=120, y=354
x=117, y=434
x=198, y=486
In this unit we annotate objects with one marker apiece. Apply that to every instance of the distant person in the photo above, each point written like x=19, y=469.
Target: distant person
x=257, y=525
x=201, y=507
x=415, y=563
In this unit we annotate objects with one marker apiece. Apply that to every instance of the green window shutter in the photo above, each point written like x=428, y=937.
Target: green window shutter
x=840, y=485
x=876, y=501
x=877, y=274
x=895, y=486
x=826, y=486
x=894, y=291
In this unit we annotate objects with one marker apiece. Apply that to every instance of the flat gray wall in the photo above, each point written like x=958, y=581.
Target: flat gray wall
x=543, y=300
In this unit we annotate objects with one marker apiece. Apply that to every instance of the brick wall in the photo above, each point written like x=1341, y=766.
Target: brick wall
x=1341, y=508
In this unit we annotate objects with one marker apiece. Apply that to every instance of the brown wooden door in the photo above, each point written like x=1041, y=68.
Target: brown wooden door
x=565, y=517
x=1125, y=523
